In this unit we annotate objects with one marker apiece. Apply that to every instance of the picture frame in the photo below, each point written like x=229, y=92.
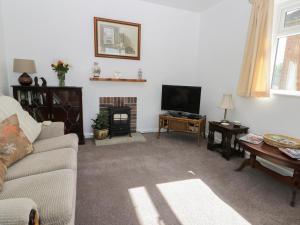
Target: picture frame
x=117, y=39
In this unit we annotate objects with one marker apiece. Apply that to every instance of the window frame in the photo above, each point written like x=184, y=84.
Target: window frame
x=279, y=31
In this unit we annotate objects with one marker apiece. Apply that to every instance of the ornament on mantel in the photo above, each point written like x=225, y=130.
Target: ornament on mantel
x=96, y=69
x=117, y=74
x=140, y=74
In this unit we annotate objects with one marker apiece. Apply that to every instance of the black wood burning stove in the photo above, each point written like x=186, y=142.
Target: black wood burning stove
x=119, y=119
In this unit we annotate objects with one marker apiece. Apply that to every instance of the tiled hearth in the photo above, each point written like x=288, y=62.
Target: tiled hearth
x=131, y=102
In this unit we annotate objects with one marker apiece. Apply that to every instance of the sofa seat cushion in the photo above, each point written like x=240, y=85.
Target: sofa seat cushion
x=53, y=193
x=43, y=162
x=65, y=141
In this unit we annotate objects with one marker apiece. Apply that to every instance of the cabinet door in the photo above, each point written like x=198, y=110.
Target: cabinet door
x=67, y=107
x=35, y=101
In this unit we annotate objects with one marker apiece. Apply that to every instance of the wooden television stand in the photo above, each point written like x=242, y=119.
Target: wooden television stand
x=182, y=124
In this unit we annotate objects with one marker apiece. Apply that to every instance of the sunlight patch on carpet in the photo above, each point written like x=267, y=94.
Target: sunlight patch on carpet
x=144, y=208
x=193, y=202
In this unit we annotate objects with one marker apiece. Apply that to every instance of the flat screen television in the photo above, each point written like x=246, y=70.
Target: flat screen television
x=181, y=98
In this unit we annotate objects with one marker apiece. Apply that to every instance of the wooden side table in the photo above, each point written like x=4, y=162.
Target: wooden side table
x=227, y=132
x=182, y=124
x=273, y=155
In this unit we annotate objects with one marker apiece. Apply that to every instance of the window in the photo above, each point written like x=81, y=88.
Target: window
x=286, y=75
x=292, y=18
x=286, y=70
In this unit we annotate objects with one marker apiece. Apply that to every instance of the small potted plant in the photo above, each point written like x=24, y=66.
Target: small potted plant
x=100, y=125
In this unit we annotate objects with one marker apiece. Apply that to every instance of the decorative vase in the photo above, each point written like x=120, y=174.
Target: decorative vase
x=140, y=74
x=61, y=78
x=25, y=79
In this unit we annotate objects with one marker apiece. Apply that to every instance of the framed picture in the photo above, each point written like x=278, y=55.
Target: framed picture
x=117, y=39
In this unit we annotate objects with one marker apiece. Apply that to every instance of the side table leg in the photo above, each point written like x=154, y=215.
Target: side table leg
x=227, y=146
x=296, y=178
x=294, y=195
x=199, y=137
x=252, y=160
x=241, y=150
x=244, y=164
x=237, y=147
x=159, y=128
x=247, y=162
x=223, y=141
x=204, y=129
x=211, y=140
x=158, y=134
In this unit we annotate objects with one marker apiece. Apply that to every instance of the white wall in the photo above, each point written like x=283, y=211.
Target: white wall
x=63, y=29
x=223, y=32
x=177, y=48
x=3, y=77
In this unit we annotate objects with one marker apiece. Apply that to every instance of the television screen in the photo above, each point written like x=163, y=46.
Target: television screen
x=181, y=98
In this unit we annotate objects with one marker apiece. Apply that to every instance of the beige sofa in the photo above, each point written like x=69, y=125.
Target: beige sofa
x=43, y=182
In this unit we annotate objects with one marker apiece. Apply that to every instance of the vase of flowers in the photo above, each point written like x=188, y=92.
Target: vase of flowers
x=61, y=69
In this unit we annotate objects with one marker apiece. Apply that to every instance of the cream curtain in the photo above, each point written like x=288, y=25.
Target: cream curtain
x=254, y=80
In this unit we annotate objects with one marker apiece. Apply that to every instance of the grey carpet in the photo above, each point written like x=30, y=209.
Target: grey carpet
x=171, y=172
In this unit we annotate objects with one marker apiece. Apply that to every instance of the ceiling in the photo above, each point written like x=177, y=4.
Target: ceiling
x=193, y=5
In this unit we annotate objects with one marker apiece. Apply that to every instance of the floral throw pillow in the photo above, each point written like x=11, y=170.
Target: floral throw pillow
x=14, y=145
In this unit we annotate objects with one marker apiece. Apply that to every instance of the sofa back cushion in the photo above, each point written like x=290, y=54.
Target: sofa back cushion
x=9, y=106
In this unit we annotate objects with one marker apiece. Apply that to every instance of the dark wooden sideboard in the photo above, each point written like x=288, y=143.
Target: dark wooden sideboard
x=55, y=104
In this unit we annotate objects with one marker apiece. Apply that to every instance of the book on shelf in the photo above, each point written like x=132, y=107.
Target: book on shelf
x=252, y=138
x=41, y=99
x=29, y=96
x=44, y=97
x=19, y=96
x=293, y=153
x=56, y=99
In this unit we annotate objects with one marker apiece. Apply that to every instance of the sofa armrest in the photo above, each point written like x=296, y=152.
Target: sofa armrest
x=18, y=211
x=51, y=130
